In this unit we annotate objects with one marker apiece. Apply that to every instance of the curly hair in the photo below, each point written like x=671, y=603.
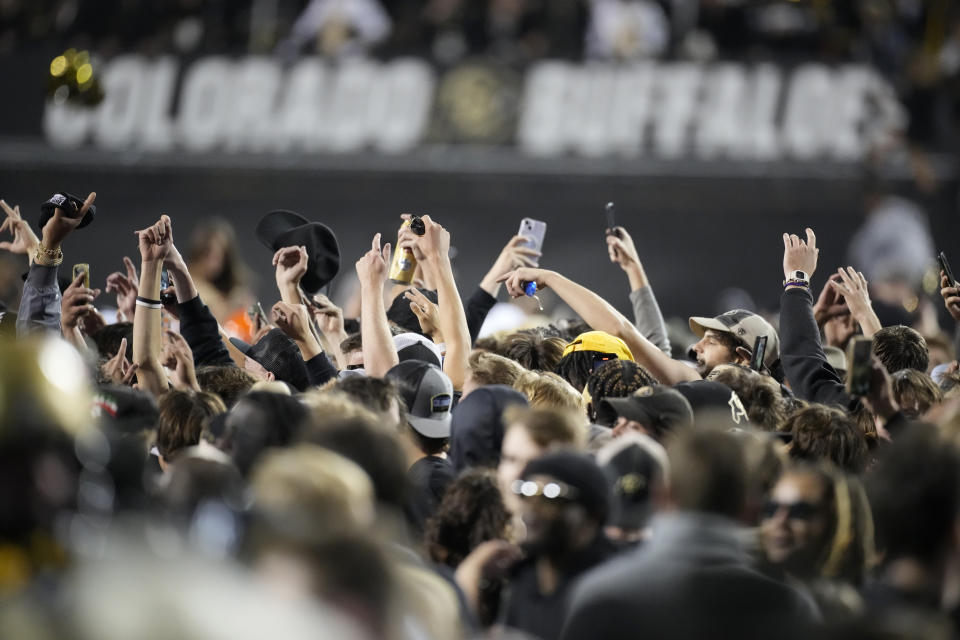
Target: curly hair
x=616, y=379
x=471, y=512
x=761, y=395
x=824, y=433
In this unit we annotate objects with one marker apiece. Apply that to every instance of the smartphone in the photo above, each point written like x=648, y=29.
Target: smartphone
x=534, y=231
x=256, y=313
x=166, y=298
x=759, y=351
x=945, y=266
x=83, y=268
x=611, y=212
x=859, y=367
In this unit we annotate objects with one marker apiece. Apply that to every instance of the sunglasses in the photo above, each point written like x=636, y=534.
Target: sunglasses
x=553, y=490
x=603, y=358
x=795, y=510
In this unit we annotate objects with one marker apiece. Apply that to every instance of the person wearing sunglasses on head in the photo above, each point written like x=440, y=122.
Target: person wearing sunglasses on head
x=817, y=533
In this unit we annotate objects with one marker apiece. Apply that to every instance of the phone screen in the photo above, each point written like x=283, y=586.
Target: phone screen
x=83, y=268
x=859, y=369
x=945, y=267
x=759, y=352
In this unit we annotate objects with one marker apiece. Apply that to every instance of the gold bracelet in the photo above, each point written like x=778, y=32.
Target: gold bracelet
x=48, y=257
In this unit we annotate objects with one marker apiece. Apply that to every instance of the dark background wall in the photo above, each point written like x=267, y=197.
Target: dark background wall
x=697, y=234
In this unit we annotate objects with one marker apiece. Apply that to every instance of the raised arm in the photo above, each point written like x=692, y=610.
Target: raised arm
x=602, y=316
x=40, y=302
x=154, y=242
x=853, y=287
x=646, y=312
x=379, y=352
x=434, y=247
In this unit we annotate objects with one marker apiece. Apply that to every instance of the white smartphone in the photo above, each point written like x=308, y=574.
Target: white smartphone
x=534, y=231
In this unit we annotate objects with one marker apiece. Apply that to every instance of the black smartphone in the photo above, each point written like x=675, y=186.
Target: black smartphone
x=166, y=298
x=759, y=352
x=945, y=267
x=611, y=212
x=859, y=367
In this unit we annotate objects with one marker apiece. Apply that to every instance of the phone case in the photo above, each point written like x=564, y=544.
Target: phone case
x=534, y=231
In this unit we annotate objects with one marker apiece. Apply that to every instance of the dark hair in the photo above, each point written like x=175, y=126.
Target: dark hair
x=471, y=512
x=901, y=347
x=915, y=387
x=377, y=394
x=708, y=472
x=576, y=367
x=429, y=446
x=400, y=314
x=234, y=272
x=260, y=420
x=915, y=494
x=183, y=415
x=226, y=380
x=374, y=449
x=568, y=328
x=616, y=379
x=108, y=339
x=353, y=342
x=730, y=341
x=824, y=433
x=195, y=481
x=761, y=395
x=534, y=349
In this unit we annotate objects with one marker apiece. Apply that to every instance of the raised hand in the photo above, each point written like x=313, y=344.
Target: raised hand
x=328, y=316
x=62, y=223
x=434, y=243
x=427, y=313
x=830, y=304
x=77, y=302
x=293, y=320
x=118, y=369
x=291, y=264
x=372, y=267
x=799, y=255
x=621, y=249
x=178, y=358
x=156, y=240
x=950, y=293
x=24, y=241
x=515, y=280
x=126, y=287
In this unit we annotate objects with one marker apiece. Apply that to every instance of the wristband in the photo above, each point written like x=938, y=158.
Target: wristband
x=796, y=283
x=48, y=257
x=148, y=303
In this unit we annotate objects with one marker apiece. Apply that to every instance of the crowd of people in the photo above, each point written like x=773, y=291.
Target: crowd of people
x=388, y=473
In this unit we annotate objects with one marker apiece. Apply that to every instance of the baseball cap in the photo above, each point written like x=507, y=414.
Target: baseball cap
x=600, y=341
x=710, y=396
x=658, y=407
x=277, y=353
x=744, y=325
x=414, y=346
x=125, y=410
x=477, y=427
x=633, y=463
x=428, y=395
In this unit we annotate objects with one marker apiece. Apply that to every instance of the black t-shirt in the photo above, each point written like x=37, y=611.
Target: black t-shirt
x=428, y=479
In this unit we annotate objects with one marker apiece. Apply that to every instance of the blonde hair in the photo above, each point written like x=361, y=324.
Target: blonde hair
x=328, y=405
x=312, y=492
x=547, y=427
x=550, y=391
x=490, y=368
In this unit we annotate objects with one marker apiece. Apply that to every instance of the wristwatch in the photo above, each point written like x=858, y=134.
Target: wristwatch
x=798, y=277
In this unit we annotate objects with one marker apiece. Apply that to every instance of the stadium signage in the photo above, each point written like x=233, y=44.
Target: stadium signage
x=656, y=110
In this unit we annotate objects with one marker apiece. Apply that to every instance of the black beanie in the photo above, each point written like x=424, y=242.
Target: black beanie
x=580, y=472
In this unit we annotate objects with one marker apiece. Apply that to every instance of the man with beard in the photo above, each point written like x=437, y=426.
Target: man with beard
x=564, y=500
